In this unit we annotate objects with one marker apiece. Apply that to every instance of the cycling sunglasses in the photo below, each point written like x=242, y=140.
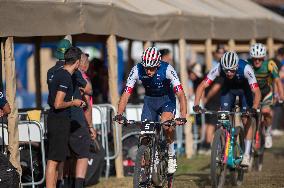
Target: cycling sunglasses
x=151, y=68
x=230, y=70
x=258, y=59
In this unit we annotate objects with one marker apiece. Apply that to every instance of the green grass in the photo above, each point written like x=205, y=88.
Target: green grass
x=185, y=166
x=196, y=163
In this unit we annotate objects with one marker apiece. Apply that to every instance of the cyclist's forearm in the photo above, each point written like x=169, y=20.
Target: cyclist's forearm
x=199, y=92
x=123, y=102
x=257, y=98
x=183, y=104
x=279, y=88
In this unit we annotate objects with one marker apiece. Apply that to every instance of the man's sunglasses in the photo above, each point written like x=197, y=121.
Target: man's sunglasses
x=150, y=68
x=258, y=59
x=230, y=70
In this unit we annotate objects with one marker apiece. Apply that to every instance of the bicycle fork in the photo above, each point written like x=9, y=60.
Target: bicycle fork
x=229, y=157
x=153, y=160
x=227, y=147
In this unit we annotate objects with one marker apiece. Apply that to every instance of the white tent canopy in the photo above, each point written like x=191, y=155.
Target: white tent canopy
x=154, y=20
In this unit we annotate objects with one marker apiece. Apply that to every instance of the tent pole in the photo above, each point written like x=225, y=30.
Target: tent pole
x=10, y=72
x=208, y=54
x=232, y=45
x=1, y=68
x=37, y=71
x=270, y=49
x=114, y=96
x=252, y=41
x=184, y=79
x=146, y=44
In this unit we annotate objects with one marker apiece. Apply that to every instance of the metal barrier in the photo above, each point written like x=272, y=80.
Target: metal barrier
x=107, y=120
x=102, y=120
x=31, y=133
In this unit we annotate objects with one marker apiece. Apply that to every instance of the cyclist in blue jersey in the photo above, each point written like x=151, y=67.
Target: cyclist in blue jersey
x=238, y=80
x=161, y=84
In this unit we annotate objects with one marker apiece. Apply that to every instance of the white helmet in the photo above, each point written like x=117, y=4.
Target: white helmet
x=151, y=57
x=257, y=50
x=230, y=61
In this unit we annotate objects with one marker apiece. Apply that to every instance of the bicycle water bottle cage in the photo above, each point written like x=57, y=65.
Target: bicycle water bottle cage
x=148, y=127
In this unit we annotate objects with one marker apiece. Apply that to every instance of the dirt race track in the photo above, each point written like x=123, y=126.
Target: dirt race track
x=194, y=173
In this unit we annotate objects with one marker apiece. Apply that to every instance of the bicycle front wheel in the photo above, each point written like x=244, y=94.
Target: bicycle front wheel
x=237, y=174
x=142, y=170
x=218, y=169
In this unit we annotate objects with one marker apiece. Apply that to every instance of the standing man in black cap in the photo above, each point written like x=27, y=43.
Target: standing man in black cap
x=58, y=121
x=79, y=138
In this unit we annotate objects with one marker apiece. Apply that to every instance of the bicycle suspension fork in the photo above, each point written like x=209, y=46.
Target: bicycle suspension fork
x=229, y=149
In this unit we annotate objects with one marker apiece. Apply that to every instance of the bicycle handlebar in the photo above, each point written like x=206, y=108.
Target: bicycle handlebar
x=227, y=112
x=166, y=123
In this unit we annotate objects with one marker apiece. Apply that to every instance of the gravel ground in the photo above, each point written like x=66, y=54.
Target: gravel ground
x=194, y=173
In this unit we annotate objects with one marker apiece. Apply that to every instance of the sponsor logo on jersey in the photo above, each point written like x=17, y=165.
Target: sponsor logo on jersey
x=174, y=74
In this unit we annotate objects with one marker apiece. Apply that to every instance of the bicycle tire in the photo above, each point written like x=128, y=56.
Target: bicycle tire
x=160, y=178
x=137, y=169
x=257, y=154
x=218, y=145
x=237, y=174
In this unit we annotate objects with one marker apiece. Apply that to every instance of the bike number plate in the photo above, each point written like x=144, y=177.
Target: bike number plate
x=148, y=128
x=223, y=117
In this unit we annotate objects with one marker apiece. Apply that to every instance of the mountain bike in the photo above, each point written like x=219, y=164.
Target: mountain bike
x=151, y=163
x=227, y=150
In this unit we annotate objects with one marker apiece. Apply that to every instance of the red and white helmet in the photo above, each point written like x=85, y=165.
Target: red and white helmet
x=257, y=50
x=151, y=57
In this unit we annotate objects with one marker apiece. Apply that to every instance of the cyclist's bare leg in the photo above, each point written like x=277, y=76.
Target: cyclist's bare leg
x=267, y=113
x=248, y=134
x=248, y=128
x=169, y=131
x=210, y=128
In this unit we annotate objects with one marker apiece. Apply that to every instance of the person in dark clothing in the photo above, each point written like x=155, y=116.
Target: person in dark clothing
x=278, y=112
x=4, y=106
x=79, y=138
x=58, y=121
x=211, y=101
x=166, y=55
x=195, y=75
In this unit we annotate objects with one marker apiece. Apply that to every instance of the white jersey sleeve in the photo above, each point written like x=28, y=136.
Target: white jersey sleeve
x=249, y=75
x=213, y=74
x=131, y=80
x=171, y=74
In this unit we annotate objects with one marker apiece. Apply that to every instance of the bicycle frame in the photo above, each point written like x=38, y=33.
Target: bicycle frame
x=226, y=121
x=149, y=138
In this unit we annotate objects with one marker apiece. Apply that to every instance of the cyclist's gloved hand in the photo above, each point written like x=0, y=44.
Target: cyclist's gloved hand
x=197, y=109
x=119, y=118
x=181, y=121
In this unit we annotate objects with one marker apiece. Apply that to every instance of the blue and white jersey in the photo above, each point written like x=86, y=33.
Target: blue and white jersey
x=244, y=76
x=164, y=82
